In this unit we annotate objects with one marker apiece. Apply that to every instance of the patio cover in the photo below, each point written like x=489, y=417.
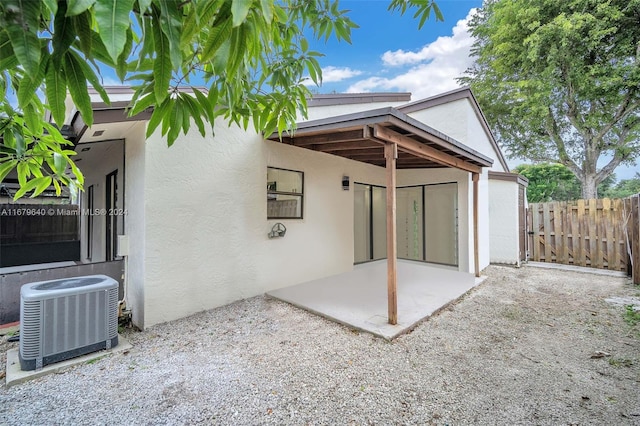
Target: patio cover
x=388, y=138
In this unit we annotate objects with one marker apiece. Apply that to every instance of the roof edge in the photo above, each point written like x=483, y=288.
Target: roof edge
x=357, y=98
x=510, y=177
x=128, y=90
x=387, y=114
x=463, y=92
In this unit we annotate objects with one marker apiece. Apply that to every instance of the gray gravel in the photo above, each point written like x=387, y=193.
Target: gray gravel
x=516, y=350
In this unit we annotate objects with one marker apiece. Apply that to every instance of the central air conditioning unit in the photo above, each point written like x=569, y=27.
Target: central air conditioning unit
x=62, y=319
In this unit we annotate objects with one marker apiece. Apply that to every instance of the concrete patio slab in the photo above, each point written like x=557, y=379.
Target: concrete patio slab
x=358, y=298
x=16, y=376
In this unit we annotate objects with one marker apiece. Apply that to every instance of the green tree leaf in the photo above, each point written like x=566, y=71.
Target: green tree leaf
x=64, y=33
x=267, y=9
x=159, y=112
x=8, y=59
x=558, y=82
x=30, y=83
x=21, y=18
x=6, y=167
x=121, y=64
x=112, y=17
x=170, y=22
x=252, y=56
x=31, y=119
x=194, y=112
x=59, y=163
x=143, y=103
x=82, y=27
x=52, y=5
x=217, y=36
x=76, y=7
x=37, y=185
x=162, y=66
x=239, y=10
x=91, y=77
x=77, y=84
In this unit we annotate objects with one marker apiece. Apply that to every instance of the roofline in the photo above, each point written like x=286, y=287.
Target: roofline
x=112, y=90
x=105, y=114
x=315, y=100
x=439, y=99
x=464, y=92
x=357, y=98
x=128, y=90
x=510, y=177
x=386, y=114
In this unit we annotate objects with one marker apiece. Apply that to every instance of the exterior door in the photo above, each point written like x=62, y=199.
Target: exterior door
x=369, y=223
x=522, y=223
x=111, y=189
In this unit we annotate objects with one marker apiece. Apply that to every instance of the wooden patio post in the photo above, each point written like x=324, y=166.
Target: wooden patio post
x=476, y=257
x=391, y=154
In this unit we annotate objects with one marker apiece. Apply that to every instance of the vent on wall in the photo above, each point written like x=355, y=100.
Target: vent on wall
x=66, y=318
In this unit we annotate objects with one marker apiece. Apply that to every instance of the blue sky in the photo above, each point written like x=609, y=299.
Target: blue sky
x=389, y=52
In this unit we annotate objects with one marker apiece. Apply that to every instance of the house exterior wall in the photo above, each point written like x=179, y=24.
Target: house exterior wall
x=197, y=215
x=484, y=236
x=319, y=112
x=465, y=215
x=508, y=204
x=135, y=224
x=96, y=169
x=465, y=128
x=439, y=117
x=205, y=221
x=503, y=224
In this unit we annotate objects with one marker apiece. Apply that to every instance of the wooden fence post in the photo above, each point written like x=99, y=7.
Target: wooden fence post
x=633, y=229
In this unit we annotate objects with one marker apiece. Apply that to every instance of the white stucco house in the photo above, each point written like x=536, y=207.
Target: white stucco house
x=194, y=223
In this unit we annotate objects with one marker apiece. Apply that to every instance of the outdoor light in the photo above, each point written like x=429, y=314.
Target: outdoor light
x=345, y=183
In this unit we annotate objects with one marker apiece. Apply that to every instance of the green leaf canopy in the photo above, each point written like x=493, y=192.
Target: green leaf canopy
x=252, y=54
x=559, y=81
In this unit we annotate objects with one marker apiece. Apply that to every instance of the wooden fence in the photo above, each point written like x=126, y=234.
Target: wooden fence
x=588, y=233
x=38, y=233
x=33, y=223
x=632, y=218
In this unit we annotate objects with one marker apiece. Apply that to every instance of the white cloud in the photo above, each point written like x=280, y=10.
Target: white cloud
x=331, y=74
x=435, y=66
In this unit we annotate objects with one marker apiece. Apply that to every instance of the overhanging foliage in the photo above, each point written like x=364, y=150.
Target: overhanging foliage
x=253, y=56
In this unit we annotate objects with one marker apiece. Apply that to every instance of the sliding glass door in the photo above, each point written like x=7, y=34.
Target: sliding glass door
x=427, y=223
x=370, y=223
x=441, y=223
x=410, y=222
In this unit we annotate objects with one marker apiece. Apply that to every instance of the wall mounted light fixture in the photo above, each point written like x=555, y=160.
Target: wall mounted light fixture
x=345, y=183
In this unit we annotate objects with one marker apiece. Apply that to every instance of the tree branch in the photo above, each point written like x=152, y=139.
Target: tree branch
x=616, y=160
x=625, y=108
x=572, y=108
x=551, y=127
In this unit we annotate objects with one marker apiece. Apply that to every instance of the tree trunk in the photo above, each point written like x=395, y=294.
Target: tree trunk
x=589, y=186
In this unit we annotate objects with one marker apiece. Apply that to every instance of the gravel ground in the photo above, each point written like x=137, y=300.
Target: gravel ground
x=516, y=350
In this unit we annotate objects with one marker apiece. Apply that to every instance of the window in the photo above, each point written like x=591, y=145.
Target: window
x=284, y=193
x=89, y=221
x=426, y=220
x=370, y=222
